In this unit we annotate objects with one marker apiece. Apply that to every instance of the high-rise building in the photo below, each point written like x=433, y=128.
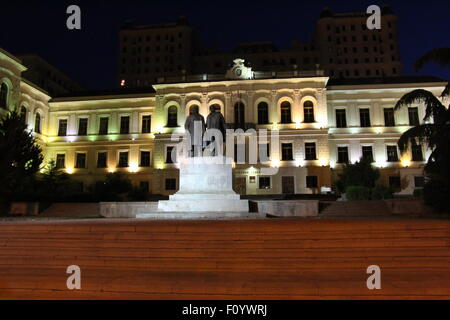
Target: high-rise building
x=341, y=45
x=148, y=52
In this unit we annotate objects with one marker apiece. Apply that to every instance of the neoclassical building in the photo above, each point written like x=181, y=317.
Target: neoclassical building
x=321, y=124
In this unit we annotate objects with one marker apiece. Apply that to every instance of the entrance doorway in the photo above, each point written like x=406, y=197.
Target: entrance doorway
x=287, y=185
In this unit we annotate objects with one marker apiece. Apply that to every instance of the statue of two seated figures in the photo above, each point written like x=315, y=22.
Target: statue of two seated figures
x=205, y=139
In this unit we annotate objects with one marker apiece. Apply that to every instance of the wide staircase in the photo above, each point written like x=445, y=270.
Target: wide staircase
x=259, y=259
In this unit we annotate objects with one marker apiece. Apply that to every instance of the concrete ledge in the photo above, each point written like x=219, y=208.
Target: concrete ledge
x=408, y=206
x=126, y=209
x=289, y=208
x=200, y=215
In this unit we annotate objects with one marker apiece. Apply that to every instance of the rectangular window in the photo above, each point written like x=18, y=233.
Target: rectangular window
x=392, y=155
x=102, y=158
x=80, y=162
x=264, y=183
x=171, y=184
x=389, y=120
x=310, y=151
x=62, y=128
x=124, y=125
x=343, y=154
x=169, y=158
x=367, y=153
x=419, y=182
x=286, y=152
x=341, y=119
x=60, y=161
x=264, y=152
x=123, y=159
x=311, y=182
x=82, y=126
x=364, y=116
x=146, y=124
x=145, y=159
x=417, y=154
x=394, y=182
x=103, y=127
x=413, y=114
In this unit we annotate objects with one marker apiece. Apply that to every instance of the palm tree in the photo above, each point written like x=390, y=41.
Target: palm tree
x=440, y=56
x=435, y=135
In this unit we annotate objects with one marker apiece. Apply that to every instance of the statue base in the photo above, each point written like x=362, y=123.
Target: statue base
x=206, y=185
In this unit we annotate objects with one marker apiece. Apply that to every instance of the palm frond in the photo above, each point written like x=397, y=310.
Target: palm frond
x=446, y=91
x=433, y=106
x=439, y=56
x=421, y=134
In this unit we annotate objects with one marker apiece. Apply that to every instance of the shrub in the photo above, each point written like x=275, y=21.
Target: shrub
x=418, y=193
x=380, y=192
x=357, y=193
x=360, y=173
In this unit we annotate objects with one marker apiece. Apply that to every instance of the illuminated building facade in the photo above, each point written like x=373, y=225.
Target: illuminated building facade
x=322, y=124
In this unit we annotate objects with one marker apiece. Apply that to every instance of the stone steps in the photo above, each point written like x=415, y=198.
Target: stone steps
x=248, y=259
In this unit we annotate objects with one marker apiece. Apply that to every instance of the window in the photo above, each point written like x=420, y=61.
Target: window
x=124, y=125
x=62, y=127
x=171, y=184
x=170, y=154
x=419, y=182
x=23, y=114
x=102, y=158
x=285, y=112
x=342, y=154
x=146, y=124
x=341, y=120
x=37, y=123
x=172, y=115
x=80, y=160
x=394, y=182
x=145, y=159
x=264, y=183
x=392, y=154
x=364, y=117
x=308, y=110
x=123, y=159
x=239, y=115
x=103, y=128
x=310, y=151
x=4, y=96
x=389, y=120
x=263, y=113
x=286, y=152
x=417, y=154
x=311, y=182
x=413, y=114
x=367, y=153
x=82, y=126
x=60, y=161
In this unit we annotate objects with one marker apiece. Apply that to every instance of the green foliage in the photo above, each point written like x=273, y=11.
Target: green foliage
x=20, y=156
x=380, y=192
x=418, y=193
x=360, y=173
x=115, y=187
x=358, y=193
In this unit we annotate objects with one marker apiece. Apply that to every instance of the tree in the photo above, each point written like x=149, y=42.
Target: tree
x=20, y=156
x=436, y=136
x=440, y=56
x=361, y=173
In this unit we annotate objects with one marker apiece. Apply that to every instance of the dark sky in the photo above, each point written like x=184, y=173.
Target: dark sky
x=90, y=55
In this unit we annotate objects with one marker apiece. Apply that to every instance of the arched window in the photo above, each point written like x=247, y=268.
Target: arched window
x=308, y=111
x=23, y=114
x=263, y=113
x=172, y=115
x=37, y=123
x=285, y=112
x=239, y=115
x=4, y=96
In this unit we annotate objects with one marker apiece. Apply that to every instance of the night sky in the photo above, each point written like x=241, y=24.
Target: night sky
x=90, y=55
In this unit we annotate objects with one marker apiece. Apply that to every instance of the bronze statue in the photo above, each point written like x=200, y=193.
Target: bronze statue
x=195, y=125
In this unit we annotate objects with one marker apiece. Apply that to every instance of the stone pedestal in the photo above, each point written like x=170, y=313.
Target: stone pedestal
x=205, y=186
